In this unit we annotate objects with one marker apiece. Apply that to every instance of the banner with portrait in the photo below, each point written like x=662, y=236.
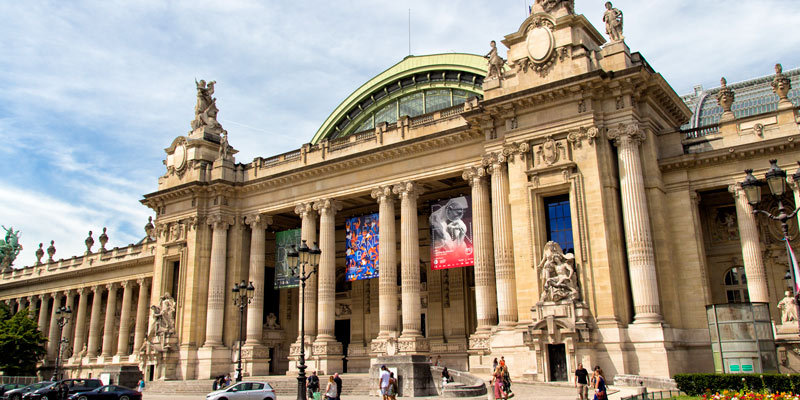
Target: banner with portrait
x=283, y=272
x=361, y=254
x=451, y=233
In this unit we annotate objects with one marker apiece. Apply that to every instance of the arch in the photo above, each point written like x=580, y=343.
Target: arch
x=403, y=85
x=734, y=282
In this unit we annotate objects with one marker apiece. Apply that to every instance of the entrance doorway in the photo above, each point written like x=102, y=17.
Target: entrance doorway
x=342, y=333
x=557, y=357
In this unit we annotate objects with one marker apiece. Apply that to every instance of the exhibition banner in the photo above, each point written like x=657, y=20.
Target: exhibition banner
x=361, y=256
x=451, y=233
x=283, y=244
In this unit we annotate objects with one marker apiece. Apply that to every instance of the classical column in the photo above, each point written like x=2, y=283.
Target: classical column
x=326, y=291
x=125, y=319
x=32, y=306
x=52, y=336
x=215, y=313
x=108, y=329
x=67, y=332
x=409, y=260
x=751, y=247
x=503, y=241
x=141, y=314
x=308, y=232
x=636, y=219
x=43, y=308
x=80, y=321
x=94, y=321
x=255, y=311
x=485, y=289
x=387, y=262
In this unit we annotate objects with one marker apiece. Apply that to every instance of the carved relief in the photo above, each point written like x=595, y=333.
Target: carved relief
x=724, y=226
x=550, y=153
x=343, y=310
x=549, y=6
x=557, y=274
x=788, y=307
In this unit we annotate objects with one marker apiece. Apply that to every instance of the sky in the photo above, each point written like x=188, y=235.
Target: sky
x=93, y=91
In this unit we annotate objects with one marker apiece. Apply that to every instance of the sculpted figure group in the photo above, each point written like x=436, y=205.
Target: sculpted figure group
x=557, y=274
x=9, y=248
x=162, y=325
x=205, y=112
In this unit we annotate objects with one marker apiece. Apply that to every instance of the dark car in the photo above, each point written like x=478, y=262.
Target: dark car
x=108, y=392
x=11, y=386
x=16, y=394
x=73, y=385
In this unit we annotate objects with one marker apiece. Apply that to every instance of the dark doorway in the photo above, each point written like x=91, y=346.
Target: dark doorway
x=151, y=371
x=342, y=332
x=557, y=355
x=271, y=360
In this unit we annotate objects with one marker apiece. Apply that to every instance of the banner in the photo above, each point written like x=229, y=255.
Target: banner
x=361, y=256
x=451, y=233
x=283, y=273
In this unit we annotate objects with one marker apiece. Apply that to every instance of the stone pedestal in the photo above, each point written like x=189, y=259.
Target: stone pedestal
x=213, y=361
x=616, y=56
x=255, y=360
x=414, y=377
x=329, y=357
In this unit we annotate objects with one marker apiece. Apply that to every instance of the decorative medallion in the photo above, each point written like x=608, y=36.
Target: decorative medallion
x=540, y=43
x=179, y=156
x=549, y=151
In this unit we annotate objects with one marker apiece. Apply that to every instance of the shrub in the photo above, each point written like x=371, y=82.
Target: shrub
x=697, y=384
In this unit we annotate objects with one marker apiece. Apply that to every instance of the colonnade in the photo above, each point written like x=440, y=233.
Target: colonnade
x=104, y=339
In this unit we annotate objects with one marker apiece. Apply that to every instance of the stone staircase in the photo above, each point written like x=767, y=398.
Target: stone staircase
x=352, y=384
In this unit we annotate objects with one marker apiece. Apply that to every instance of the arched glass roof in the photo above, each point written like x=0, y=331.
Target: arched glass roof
x=417, y=85
x=752, y=97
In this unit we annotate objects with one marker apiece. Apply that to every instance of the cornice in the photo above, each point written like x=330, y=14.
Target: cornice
x=80, y=271
x=741, y=152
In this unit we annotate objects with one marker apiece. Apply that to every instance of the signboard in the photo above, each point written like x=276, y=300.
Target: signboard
x=451, y=233
x=361, y=255
x=283, y=273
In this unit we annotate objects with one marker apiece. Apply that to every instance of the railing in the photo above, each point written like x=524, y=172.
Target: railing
x=701, y=131
x=455, y=110
x=664, y=394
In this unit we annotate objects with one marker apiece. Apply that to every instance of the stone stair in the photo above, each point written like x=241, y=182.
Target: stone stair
x=352, y=384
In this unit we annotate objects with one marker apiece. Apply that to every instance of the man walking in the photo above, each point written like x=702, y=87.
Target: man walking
x=338, y=382
x=581, y=382
x=312, y=385
x=383, y=382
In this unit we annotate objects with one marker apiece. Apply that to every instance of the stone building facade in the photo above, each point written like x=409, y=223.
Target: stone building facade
x=573, y=139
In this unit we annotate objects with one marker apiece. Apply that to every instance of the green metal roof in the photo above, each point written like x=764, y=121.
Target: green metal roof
x=412, y=74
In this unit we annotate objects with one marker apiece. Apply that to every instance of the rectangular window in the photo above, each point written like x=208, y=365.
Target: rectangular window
x=559, y=221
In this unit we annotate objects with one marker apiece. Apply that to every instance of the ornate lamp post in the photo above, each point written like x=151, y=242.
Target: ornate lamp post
x=243, y=294
x=776, y=180
x=298, y=260
x=62, y=320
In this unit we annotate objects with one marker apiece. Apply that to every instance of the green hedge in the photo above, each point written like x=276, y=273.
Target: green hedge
x=697, y=384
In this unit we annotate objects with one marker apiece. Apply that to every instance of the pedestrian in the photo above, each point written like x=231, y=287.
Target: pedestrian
x=497, y=383
x=446, y=378
x=383, y=382
x=63, y=391
x=495, y=363
x=338, y=381
x=600, y=385
x=140, y=386
x=593, y=379
x=392, y=386
x=438, y=360
x=215, y=384
x=227, y=380
x=330, y=389
x=312, y=384
x=581, y=382
x=507, y=382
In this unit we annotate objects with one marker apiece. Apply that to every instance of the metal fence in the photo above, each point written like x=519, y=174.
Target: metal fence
x=664, y=394
x=18, y=379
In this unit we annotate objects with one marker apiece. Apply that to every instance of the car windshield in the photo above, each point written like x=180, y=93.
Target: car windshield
x=40, y=385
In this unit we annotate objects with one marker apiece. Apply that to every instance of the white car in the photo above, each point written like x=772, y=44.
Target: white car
x=244, y=391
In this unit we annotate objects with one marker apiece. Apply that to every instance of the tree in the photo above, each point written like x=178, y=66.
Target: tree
x=22, y=344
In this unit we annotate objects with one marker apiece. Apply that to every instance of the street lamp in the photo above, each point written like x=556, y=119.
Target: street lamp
x=776, y=181
x=243, y=294
x=298, y=260
x=63, y=314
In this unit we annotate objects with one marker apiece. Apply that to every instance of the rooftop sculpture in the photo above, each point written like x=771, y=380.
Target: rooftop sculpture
x=9, y=248
x=205, y=112
x=613, y=19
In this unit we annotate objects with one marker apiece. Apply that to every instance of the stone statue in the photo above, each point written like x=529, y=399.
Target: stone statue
x=163, y=325
x=272, y=321
x=223, y=146
x=495, y=62
x=557, y=272
x=149, y=229
x=205, y=112
x=788, y=307
x=9, y=248
x=613, y=19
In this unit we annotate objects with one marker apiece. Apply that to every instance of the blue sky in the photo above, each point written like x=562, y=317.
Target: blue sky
x=94, y=91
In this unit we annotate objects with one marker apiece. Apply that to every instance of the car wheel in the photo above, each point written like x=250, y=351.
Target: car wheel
x=83, y=398
x=124, y=397
x=16, y=397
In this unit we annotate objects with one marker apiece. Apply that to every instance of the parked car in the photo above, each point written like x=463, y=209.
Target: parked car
x=244, y=391
x=11, y=386
x=16, y=394
x=108, y=392
x=74, y=386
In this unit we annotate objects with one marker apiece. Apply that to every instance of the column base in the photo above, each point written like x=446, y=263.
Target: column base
x=414, y=372
x=294, y=358
x=213, y=361
x=648, y=318
x=329, y=356
x=255, y=360
x=413, y=345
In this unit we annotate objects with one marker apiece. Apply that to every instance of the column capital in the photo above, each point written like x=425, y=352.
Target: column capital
x=111, y=286
x=219, y=221
x=97, y=288
x=736, y=190
x=624, y=134
x=474, y=175
x=43, y=296
x=327, y=206
x=258, y=220
x=142, y=281
x=493, y=161
x=69, y=292
x=305, y=210
x=408, y=189
x=82, y=290
x=382, y=193
x=127, y=284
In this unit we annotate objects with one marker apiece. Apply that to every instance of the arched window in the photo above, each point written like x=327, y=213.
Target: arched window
x=736, y=286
